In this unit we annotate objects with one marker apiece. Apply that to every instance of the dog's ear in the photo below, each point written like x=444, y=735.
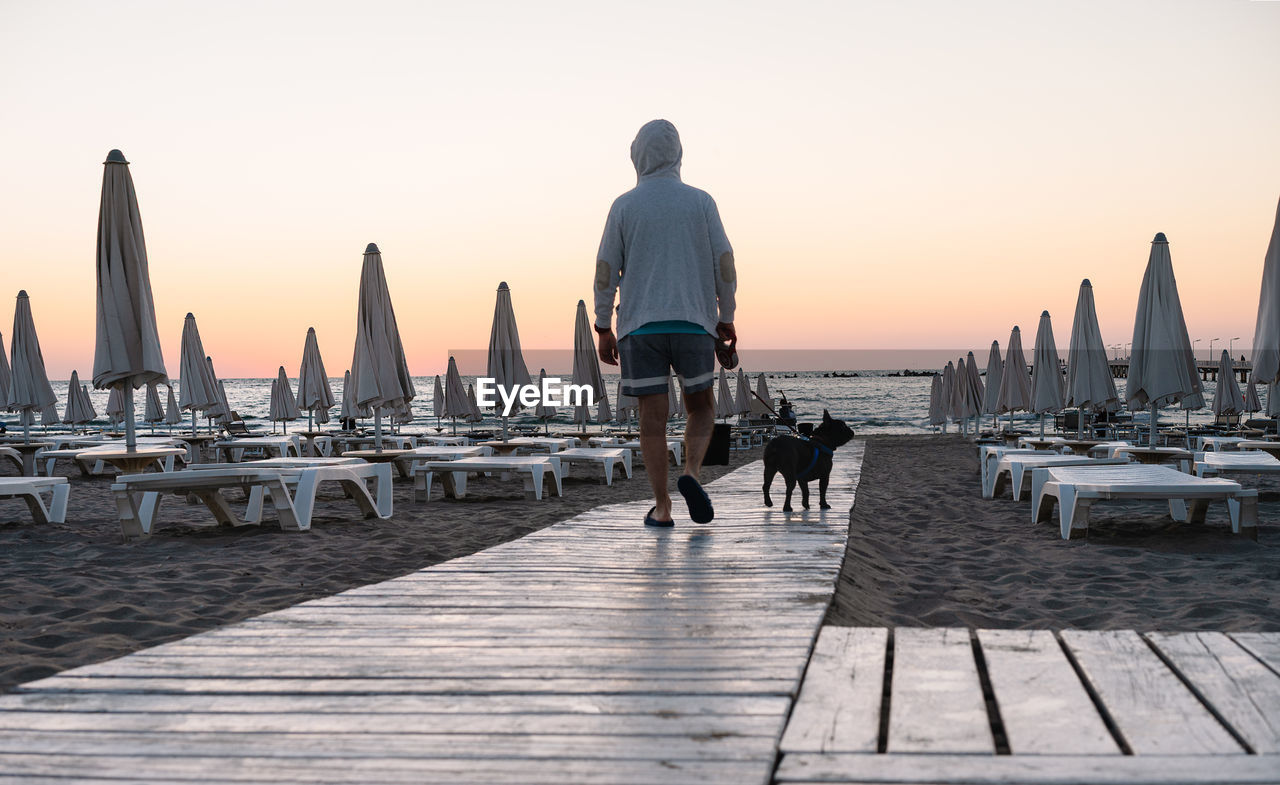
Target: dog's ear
x=825, y=416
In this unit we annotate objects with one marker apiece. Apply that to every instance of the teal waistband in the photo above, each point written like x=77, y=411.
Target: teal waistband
x=675, y=326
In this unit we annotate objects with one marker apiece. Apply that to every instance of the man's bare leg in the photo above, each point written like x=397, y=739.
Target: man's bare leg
x=653, y=448
x=701, y=416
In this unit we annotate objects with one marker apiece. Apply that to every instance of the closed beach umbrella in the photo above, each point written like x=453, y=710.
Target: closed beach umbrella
x=87, y=402
x=976, y=390
x=379, y=371
x=4, y=376
x=437, y=400
x=115, y=406
x=948, y=393
x=1046, y=373
x=1227, y=399
x=284, y=406
x=586, y=364
x=1251, y=401
x=127, y=351
x=1089, y=382
x=402, y=415
x=1162, y=369
x=314, y=393
x=1266, y=333
x=29, y=388
x=172, y=413
x=542, y=411
x=221, y=409
x=506, y=363
x=350, y=409
x=991, y=396
x=677, y=396
x=456, y=402
x=197, y=390
x=50, y=416
x=742, y=398
x=603, y=413
x=76, y=413
x=724, y=397
x=153, y=410
x=1015, y=382
x=937, y=414
x=762, y=402
x=475, y=414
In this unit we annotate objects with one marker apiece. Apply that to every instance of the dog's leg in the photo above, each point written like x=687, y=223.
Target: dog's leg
x=822, y=492
x=769, y=471
x=804, y=494
x=791, y=486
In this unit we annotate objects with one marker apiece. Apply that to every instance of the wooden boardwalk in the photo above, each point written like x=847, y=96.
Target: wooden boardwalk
x=592, y=651
x=1004, y=706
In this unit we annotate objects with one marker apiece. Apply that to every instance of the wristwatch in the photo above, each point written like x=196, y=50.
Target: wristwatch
x=603, y=330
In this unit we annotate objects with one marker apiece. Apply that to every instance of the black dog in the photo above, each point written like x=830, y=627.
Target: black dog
x=800, y=460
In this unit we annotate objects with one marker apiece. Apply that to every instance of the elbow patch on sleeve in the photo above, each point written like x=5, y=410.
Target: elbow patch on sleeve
x=727, y=273
x=603, y=274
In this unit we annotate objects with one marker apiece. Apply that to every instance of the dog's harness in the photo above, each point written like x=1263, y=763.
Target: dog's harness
x=818, y=449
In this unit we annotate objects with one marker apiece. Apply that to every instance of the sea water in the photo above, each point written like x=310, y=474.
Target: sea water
x=873, y=402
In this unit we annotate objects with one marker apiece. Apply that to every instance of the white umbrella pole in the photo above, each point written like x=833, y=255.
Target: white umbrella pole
x=130, y=437
x=1042, y=425
x=1151, y=436
x=193, y=422
x=377, y=428
x=504, y=429
x=310, y=413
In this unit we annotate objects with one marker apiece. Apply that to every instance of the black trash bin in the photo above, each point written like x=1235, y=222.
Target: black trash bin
x=718, y=449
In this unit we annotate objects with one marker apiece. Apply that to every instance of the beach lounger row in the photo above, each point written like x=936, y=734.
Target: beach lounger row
x=32, y=491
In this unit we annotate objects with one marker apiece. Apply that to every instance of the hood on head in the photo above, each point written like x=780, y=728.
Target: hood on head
x=656, y=150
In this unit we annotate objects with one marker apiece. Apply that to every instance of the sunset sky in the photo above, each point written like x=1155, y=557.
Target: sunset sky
x=893, y=175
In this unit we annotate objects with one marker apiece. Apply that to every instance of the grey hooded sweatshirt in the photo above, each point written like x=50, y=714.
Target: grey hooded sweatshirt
x=663, y=245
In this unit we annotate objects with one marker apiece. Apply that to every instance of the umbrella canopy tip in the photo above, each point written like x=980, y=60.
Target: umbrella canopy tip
x=310, y=330
x=1160, y=238
x=502, y=285
x=22, y=293
x=190, y=315
x=115, y=157
x=372, y=248
x=1043, y=314
x=1085, y=282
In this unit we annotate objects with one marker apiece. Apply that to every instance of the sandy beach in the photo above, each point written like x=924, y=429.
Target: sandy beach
x=73, y=594
x=925, y=549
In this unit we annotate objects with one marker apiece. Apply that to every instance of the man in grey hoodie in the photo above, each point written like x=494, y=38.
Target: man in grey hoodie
x=666, y=250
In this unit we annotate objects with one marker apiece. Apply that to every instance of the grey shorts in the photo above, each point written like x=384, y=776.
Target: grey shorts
x=647, y=362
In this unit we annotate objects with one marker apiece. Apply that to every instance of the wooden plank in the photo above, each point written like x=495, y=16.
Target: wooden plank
x=1030, y=769
x=390, y=703
x=936, y=703
x=1244, y=693
x=1044, y=707
x=1154, y=712
x=1263, y=645
x=838, y=709
x=248, y=770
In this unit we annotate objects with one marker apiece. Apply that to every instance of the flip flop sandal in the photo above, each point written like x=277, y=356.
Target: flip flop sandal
x=649, y=520
x=700, y=509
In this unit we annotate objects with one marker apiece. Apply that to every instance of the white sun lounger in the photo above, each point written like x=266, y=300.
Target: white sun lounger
x=271, y=446
x=1075, y=489
x=417, y=459
x=13, y=456
x=29, y=489
x=1016, y=469
x=547, y=443
x=989, y=455
x=1219, y=443
x=138, y=495
x=90, y=466
x=674, y=446
x=1217, y=464
x=606, y=457
x=454, y=473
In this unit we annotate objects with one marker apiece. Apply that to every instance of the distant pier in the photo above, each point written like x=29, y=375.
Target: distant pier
x=1208, y=371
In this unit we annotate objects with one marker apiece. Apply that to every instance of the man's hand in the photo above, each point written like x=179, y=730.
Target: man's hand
x=608, y=346
x=726, y=332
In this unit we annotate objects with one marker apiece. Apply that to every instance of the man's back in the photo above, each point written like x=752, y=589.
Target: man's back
x=664, y=245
